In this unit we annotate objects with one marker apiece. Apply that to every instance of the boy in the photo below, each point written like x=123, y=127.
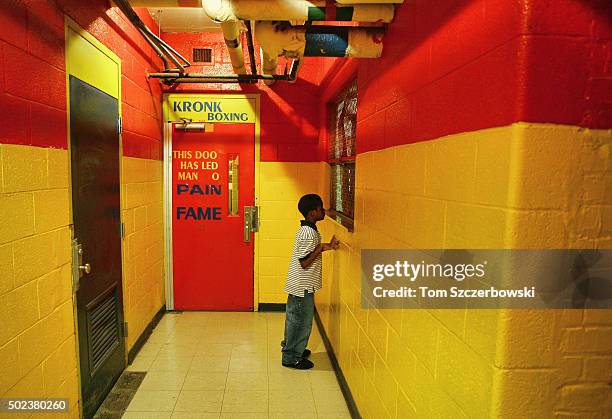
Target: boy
x=303, y=279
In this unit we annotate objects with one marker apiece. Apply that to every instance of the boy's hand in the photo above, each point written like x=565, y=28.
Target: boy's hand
x=334, y=243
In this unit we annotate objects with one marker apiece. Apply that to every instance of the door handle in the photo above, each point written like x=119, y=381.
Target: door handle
x=86, y=269
x=251, y=222
x=78, y=268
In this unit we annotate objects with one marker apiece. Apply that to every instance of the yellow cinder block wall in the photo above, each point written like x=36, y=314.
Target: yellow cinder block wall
x=281, y=184
x=37, y=323
x=519, y=186
x=37, y=336
x=143, y=247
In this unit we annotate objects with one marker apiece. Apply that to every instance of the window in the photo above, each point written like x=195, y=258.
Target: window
x=341, y=155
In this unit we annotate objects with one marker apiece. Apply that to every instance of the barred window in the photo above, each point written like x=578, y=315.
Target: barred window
x=341, y=154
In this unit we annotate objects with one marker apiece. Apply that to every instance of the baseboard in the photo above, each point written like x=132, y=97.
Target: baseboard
x=346, y=391
x=145, y=334
x=272, y=307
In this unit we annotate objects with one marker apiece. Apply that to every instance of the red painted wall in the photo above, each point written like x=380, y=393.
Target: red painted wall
x=289, y=112
x=447, y=67
x=33, y=74
x=458, y=66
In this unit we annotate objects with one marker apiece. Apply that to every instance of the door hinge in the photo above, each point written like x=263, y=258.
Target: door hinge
x=122, y=228
x=120, y=125
x=125, y=329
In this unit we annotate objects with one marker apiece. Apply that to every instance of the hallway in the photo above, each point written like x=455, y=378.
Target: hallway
x=227, y=364
x=153, y=157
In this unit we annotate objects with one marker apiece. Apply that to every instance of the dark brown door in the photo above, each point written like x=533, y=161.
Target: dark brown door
x=94, y=140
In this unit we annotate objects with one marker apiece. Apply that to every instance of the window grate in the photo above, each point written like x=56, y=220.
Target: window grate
x=341, y=153
x=343, y=184
x=202, y=55
x=343, y=124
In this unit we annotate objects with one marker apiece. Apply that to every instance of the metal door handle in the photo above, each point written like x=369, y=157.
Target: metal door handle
x=85, y=268
x=251, y=222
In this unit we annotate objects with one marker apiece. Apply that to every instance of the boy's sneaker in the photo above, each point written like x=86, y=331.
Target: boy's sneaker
x=305, y=354
x=302, y=364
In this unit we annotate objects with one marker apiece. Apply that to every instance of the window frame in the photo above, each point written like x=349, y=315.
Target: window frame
x=332, y=114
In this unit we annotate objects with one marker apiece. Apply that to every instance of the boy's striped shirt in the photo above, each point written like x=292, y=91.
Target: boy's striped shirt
x=298, y=278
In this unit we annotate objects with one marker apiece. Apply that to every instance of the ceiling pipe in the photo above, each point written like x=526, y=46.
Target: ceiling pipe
x=327, y=41
x=198, y=3
x=299, y=10
x=279, y=38
x=167, y=3
x=172, y=78
x=231, y=34
x=295, y=67
x=222, y=13
x=251, y=47
x=161, y=48
x=368, y=1
x=268, y=65
x=315, y=10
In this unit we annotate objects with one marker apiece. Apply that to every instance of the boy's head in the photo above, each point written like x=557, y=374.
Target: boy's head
x=311, y=207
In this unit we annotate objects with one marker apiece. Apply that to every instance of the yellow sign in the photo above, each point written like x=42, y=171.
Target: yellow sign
x=211, y=108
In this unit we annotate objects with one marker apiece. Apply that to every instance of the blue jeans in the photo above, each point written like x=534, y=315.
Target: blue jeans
x=298, y=325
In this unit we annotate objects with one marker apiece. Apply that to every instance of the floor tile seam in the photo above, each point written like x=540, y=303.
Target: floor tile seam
x=181, y=390
x=224, y=390
x=268, y=370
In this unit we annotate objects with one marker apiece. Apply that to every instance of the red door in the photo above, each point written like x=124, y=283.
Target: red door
x=212, y=181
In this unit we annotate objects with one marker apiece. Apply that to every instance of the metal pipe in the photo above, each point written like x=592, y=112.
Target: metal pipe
x=172, y=78
x=251, y=47
x=234, y=10
x=219, y=77
x=161, y=48
x=167, y=3
x=168, y=46
x=231, y=34
x=175, y=60
x=276, y=38
x=198, y=3
x=158, y=51
x=295, y=66
x=268, y=65
x=164, y=53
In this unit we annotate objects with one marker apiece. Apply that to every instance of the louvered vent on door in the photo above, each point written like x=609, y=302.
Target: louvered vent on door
x=103, y=330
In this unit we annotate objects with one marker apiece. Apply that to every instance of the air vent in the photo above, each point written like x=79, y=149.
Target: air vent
x=202, y=55
x=103, y=331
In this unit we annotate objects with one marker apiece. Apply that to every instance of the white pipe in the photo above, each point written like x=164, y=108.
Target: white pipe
x=367, y=1
x=291, y=42
x=224, y=10
x=268, y=65
x=275, y=42
x=271, y=7
x=166, y=3
x=198, y=3
x=221, y=11
x=231, y=33
x=276, y=39
x=364, y=44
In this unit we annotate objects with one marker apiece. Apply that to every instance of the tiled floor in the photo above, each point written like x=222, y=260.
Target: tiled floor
x=228, y=365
